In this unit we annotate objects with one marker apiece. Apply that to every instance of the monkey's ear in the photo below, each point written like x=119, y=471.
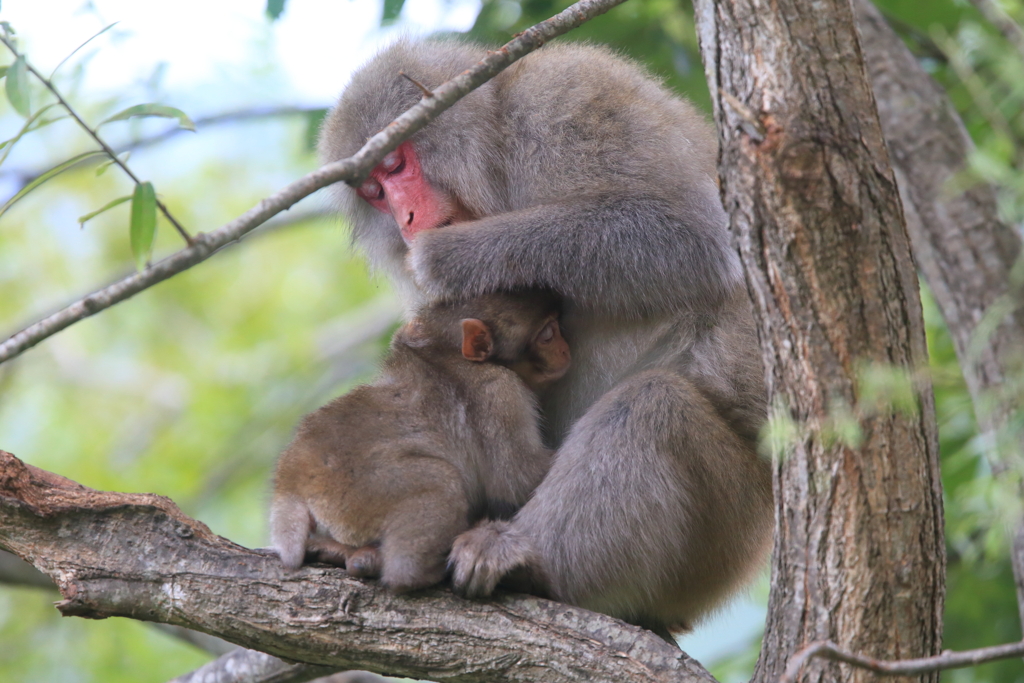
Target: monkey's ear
x=477, y=344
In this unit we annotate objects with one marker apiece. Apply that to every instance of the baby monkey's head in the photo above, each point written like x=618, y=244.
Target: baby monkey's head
x=517, y=330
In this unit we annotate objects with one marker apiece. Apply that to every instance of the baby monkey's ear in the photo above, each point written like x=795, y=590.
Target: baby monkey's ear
x=477, y=344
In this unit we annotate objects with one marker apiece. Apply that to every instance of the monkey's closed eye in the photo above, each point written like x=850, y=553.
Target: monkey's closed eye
x=371, y=190
x=548, y=333
x=393, y=163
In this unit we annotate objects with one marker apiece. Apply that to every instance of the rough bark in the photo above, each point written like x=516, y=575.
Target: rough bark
x=139, y=556
x=859, y=556
x=965, y=252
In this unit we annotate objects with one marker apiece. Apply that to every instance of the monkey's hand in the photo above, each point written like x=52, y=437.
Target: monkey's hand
x=477, y=257
x=430, y=263
x=481, y=556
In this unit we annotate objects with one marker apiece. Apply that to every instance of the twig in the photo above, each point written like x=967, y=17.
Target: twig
x=351, y=170
x=24, y=177
x=99, y=141
x=904, y=667
x=1010, y=29
x=427, y=92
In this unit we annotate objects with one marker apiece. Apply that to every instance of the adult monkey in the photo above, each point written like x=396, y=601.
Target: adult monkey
x=575, y=171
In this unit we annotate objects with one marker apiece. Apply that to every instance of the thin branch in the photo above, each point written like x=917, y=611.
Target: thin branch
x=99, y=141
x=427, y=92
x=351, y=170
x=905, y=667
x=76, y=50
x=1010, y=29
x=139, y=556
x=25, y=176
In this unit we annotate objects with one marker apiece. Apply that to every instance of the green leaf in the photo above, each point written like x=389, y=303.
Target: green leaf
x=47, y=175
x=143, y=225
x=106, y=207
x=275, y=8
x=17, y=86
x=3, y=71
x=142, y=110
x=392, y=8
x=32, y=124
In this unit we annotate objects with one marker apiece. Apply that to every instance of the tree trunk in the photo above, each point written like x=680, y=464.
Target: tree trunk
x=859, y=555
x=964, y=251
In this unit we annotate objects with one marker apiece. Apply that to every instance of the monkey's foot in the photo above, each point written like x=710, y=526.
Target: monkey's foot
x=364, y=562
x=481, y=556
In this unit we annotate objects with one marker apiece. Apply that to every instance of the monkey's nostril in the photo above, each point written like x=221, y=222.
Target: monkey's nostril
x=409, y=222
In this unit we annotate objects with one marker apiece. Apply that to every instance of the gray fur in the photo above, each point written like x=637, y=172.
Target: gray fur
x=591, y=179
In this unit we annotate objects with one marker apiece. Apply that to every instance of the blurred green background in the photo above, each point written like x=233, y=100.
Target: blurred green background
x=192, y=388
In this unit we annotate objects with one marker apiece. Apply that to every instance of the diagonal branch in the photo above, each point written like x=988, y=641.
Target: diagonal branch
x=351, y=170
x=139, y=556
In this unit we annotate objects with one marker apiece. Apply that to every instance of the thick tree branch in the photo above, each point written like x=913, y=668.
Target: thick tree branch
x=139, y=556
x=906, y=667
x=351, y=170
x=15, y=571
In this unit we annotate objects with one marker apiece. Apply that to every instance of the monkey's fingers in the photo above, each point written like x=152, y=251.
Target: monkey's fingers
x=480, y=557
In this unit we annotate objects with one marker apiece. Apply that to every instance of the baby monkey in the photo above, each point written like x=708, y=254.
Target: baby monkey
x=382, y=479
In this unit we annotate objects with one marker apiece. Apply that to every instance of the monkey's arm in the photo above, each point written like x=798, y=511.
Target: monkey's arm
x=625, y=254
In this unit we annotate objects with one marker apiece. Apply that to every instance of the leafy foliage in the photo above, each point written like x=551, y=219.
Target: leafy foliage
x=143, y=225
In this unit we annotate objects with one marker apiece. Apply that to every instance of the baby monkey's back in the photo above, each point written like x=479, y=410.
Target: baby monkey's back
x=382, y=479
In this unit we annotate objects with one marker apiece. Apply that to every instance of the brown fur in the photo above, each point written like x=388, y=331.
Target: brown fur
x=381, y=480
x=589, y=178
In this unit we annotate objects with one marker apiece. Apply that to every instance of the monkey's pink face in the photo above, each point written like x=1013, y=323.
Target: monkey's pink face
x=397, y=186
